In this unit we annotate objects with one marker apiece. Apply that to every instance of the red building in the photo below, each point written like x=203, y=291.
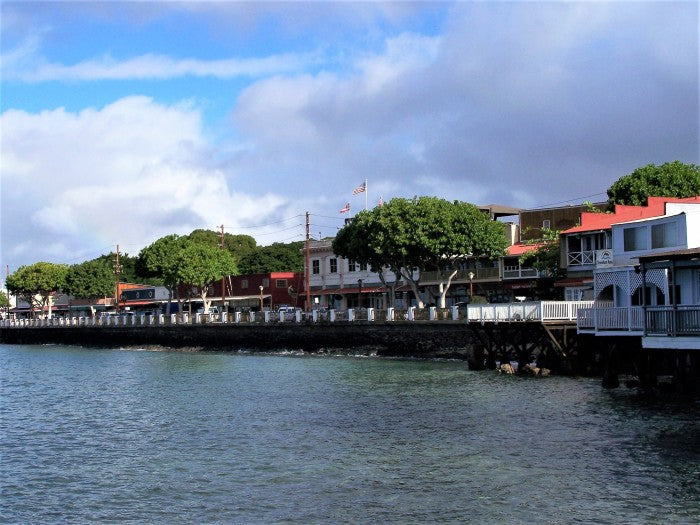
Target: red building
x=272, y=290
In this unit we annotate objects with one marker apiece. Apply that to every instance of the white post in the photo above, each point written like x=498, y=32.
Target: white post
x=455, y=313
x=237, y=317
x=351, y=314
x=281, y=316
x=411, y=313
x=332, y=315
x=297, y=316
x=314, y=315
x=433, y=313
x=370, y=314
x=390, y=314
x=186, y=318
x=267, y=316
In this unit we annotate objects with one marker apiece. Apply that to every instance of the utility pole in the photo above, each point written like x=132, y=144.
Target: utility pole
x=223, y=279
x=306, y=266
x=117, y=272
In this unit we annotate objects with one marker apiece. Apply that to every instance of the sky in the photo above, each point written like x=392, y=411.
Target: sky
x=122, y=122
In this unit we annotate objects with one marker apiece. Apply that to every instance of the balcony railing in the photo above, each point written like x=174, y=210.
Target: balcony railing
x=660, y=320
x=673, y=321
x=480, y=274
x=518, y=272
x=581, y=258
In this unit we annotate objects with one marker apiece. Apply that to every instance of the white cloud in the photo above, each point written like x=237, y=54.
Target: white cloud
x=127, y=173
x=26, y=64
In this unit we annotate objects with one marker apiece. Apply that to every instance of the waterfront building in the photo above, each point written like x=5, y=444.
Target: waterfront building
x=339, y=283
x=648, y=282
x=589, y=245
x=261, y=290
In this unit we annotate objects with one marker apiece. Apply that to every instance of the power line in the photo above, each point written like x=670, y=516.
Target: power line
x=568, y=200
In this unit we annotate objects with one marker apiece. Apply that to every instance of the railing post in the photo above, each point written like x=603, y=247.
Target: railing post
x=314, y=315
x=236, y=317
x=411, y=313
x=433, y=313
x=331, y=315
x=351, y=314
x=455, y=313
x=370, y=314
x=297, y=316
x=390, y=314
x=266, y=316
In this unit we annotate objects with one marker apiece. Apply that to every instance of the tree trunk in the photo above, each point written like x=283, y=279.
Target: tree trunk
x=444, y=287
x=414, y=286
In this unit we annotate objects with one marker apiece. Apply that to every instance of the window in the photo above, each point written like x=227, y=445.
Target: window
x=244, y=283
x=363, y=267
x=280, y=283
x=266, y=282
x=663, y=235
x=352, y=266
x=315, y=267
x=635, y=239
x=574, y=294
x=546, y=224
x=333, y=265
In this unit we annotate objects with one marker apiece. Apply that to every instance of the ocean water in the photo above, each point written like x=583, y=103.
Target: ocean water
x=124, y=436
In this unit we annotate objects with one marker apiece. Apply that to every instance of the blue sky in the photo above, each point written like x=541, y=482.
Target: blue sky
x=122, y=122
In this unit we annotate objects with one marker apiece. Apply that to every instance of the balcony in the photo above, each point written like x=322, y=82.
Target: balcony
x=518, y=272
x=480, y=274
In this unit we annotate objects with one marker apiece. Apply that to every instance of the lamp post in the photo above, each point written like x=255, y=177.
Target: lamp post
x=261, y=297
x=471, y=287
x=359, y=293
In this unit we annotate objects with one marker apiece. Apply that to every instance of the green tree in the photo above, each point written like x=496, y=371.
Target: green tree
x=672, y=179
x=423, y=233
x=90, y=280
x=200, y=266
x=544, y=257
x=4, y=300
x=159, y=260
x=37, y=283
x=237, y=245
x=277, y=257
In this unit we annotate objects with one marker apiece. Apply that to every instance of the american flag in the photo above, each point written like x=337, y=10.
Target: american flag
x=360, y=189
x=346, y=208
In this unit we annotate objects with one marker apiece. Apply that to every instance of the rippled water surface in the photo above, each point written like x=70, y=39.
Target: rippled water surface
x=95, y=436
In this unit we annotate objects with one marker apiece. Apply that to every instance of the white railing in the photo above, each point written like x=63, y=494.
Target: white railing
x=581, y=258
x=611, y=319
x=505, y=312
x=518, y=272
x=673, y=321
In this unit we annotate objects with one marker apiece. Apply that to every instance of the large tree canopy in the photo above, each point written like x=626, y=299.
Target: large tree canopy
x=200, y=265
x=159, y=260
x=37, y=282
x=237, y=245
x=277, y=257
x=90, y=279
x=672, y=179
x=423, y=233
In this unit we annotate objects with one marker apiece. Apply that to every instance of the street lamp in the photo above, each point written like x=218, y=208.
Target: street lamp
x=261, y=297
x=471, y=287
x=359, y=293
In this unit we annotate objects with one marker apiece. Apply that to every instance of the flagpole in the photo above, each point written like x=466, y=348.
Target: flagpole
x=366, y=192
